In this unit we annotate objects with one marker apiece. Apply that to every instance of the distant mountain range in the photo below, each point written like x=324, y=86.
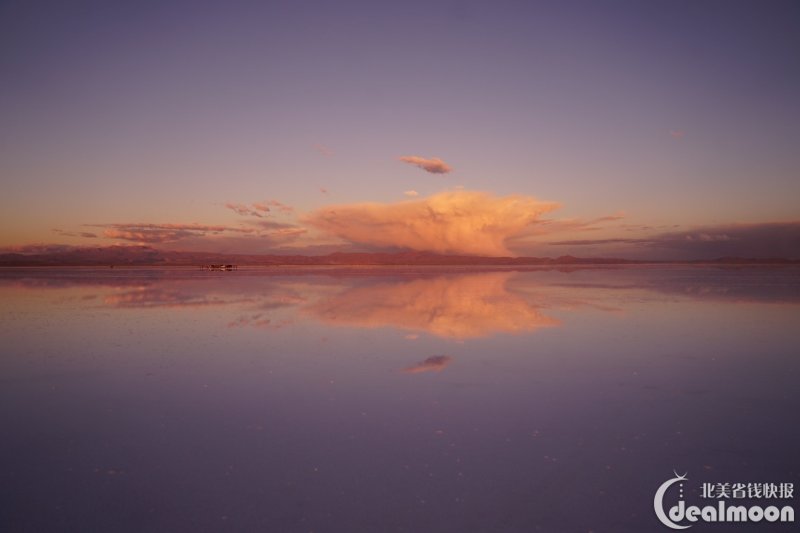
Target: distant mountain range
x=148, y=256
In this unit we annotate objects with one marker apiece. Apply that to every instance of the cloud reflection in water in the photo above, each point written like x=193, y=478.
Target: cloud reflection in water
x=459, y=306
x=434, y=363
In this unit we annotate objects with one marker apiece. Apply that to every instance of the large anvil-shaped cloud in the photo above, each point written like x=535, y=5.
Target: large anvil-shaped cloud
x=463, y=222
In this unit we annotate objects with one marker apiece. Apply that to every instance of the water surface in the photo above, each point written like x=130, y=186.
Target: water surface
x=388, y=399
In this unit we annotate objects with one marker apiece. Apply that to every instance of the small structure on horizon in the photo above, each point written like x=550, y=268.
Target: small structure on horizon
x=214, y=266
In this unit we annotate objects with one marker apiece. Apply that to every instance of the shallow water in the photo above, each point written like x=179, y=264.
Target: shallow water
x=389, y=399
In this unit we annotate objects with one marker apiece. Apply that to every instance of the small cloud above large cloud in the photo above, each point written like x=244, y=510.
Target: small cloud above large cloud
x=434, y=165
x=465, y=222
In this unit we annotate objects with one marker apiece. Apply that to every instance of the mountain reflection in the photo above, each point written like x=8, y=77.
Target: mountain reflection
x=459, y=307
x=449, y=304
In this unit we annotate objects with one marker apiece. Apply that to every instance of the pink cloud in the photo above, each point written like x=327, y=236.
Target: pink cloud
x=245, y=210
x=149, y=236
x=84, y=234
x=433, y=165
x=165, y=233
x=465, y=222
x=257, y=208
x=283, y=208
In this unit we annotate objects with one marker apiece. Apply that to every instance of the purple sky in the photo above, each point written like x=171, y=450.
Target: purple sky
x=664, y=129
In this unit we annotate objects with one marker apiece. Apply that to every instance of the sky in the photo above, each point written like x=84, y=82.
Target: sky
x=662, y=130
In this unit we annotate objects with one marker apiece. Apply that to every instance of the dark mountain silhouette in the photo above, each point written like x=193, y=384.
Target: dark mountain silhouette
x=148, y=256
